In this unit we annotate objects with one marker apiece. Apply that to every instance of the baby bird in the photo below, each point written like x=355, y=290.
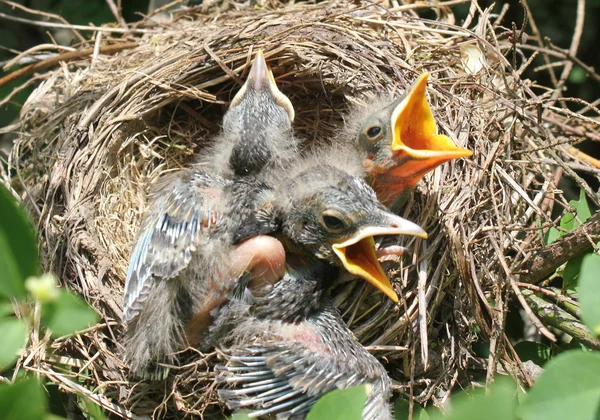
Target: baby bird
x=184, y=263
x=293, y=349
x=288, y=346
x=399, y=143
x=257, y=129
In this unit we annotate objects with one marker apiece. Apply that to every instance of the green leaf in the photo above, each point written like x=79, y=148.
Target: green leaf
x=341, y=404
x=568, y=389
x=18, y=247
x=582, y=207
x=538, y=353
x=13, y=332
x=402, y=409
x=567, y=222
x=499, y=404
x=240, y=415
x=589, y=292
x=91, y=410
x=68, y=314
x=578, y=75
x=552, y=235
x=6, y=308
x=25, y=399
x=571, y=272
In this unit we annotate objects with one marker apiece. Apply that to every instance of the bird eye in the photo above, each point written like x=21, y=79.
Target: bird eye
x=333, y=221
x=373, y=132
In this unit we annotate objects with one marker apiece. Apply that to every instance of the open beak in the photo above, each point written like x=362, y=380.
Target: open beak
x=416, y=143
x=358, y=252
x=260, y=79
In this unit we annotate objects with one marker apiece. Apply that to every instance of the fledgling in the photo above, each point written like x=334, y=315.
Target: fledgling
x=257, y=129
x=289, y=346
x=184, y=263
x=398, y=142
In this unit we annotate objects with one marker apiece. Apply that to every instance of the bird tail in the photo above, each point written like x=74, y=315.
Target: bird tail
x=156, y=333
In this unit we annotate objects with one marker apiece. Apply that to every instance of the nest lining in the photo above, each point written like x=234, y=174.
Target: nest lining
x=96, y=134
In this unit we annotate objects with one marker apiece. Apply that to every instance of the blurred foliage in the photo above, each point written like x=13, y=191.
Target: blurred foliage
x=342, y=404
x=21, y=292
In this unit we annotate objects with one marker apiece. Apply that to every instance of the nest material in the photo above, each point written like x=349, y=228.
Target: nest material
x=98, y=132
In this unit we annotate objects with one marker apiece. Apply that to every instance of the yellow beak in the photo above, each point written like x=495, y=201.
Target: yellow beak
x=416, y=143
x=260, y=78
x=358, y=256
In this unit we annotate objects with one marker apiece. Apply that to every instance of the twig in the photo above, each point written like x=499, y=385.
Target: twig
x=46, y=15
x=539, y=39
x=513, y=284
x=421, y=285
x=78, y=27
x=19, y=57
x=117, y=13
x=386, y=348
x=560, y=298
x=97, y=47
x=572, y=49
x=417, y=5
x=65, y=57
x=561, y=53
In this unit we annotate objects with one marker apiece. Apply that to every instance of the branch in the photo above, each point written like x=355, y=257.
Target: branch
x=65, y=57
x=554, y=316
x=545, y=261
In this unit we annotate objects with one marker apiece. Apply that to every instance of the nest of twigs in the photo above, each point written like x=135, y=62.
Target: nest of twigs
x=100, y=130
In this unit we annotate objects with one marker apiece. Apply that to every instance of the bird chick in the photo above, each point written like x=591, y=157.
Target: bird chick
x=184, y=263
x=398, y=143
x=332, y=215
x=289, y=346
x=257, y=129
x=294, y=349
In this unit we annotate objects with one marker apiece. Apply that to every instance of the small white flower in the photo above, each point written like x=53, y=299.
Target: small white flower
x=43, y=288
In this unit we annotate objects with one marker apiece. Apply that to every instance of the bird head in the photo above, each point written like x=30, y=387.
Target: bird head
x=334, y=216
x=402, y=143
x=258, y=121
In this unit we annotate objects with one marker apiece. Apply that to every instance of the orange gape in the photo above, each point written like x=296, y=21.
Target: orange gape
x=416, y=147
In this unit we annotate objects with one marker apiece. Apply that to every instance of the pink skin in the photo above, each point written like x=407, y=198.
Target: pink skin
x=263, y=257
x=384, y=254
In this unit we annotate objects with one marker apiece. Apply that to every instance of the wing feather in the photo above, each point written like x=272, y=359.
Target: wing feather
x=184, y=208
x=285, y=371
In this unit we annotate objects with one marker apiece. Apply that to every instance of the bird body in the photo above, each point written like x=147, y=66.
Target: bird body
x=284, y=358
x=185, y=262
x=287, y=346
x=185, y=265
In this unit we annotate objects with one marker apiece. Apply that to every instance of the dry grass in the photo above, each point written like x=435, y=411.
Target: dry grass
x=99, y=131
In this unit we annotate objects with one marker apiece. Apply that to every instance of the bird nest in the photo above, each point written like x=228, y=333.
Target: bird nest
x=101, y=129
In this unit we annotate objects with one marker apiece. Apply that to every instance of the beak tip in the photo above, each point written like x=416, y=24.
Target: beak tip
x=259, y=72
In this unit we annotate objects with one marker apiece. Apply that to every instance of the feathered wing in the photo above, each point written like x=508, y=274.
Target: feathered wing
x=287, y=367
x=184, y=207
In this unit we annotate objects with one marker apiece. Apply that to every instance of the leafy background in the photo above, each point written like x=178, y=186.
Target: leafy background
x=569, y=386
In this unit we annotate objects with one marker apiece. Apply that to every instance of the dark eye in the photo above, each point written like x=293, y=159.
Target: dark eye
x=333, y=221
x=373, y=132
